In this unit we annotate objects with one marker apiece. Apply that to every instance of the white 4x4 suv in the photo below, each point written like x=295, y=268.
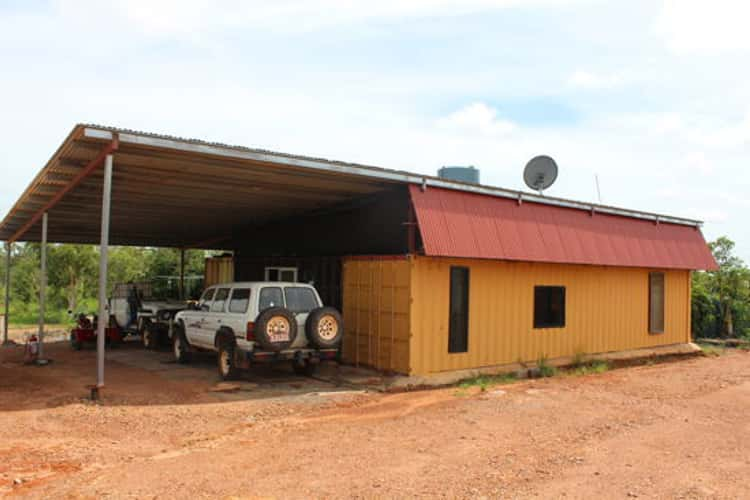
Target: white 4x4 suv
x=259, y=322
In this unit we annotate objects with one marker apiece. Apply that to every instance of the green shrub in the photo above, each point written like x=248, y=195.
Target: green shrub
x=545, y=369
x=594, y=366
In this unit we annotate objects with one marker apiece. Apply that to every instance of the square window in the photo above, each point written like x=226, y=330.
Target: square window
x=549, y=306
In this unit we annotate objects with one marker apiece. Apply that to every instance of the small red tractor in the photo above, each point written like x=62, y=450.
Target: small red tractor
x=85, y=332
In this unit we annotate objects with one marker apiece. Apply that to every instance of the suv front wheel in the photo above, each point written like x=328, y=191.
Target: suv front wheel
x=180, y=347
x=225, y=361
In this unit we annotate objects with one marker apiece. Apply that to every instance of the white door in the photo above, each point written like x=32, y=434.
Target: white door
x=194, y=319
x=214, y=318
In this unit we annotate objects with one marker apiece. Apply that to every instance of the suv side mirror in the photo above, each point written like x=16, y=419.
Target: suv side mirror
x=203, y=307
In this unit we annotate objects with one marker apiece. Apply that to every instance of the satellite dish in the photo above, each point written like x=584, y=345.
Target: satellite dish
x=540, y=173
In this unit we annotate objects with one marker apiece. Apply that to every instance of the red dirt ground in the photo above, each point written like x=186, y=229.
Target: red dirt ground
x=672, y=430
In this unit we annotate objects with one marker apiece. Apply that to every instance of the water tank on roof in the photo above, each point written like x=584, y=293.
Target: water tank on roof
x=461, y=174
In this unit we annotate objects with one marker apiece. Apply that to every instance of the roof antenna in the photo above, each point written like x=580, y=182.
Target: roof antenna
x=598, y=191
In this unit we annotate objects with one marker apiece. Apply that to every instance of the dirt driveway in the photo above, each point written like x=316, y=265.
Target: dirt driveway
x=673, y=430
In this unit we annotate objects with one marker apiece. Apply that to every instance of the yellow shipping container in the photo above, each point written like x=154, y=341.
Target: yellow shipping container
x=606, y=310
x=218, y=270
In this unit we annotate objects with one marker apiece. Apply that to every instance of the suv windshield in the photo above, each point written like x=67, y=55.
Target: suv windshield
x=300, y=299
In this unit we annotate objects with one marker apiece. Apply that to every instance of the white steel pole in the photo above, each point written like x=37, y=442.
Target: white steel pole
x=42, y=284
x=103, y=258
x=8, y=248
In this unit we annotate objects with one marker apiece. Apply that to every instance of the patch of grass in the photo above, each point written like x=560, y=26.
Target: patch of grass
x=711, y=350
x=593, y=366
x=579, y=359
x=545, y=369
x=484, y=382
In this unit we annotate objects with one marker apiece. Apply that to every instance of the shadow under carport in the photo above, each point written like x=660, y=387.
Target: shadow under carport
x=135, y=376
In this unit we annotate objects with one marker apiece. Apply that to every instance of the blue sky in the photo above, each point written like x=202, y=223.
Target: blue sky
x=652, y=97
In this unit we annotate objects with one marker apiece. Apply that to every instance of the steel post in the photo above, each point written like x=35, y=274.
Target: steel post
x=42, y=284
x=182, y=274
x=103, y=261
x=8, y=248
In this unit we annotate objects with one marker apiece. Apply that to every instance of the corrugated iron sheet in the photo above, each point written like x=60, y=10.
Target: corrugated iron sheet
x=607, y=310
x=460, y=224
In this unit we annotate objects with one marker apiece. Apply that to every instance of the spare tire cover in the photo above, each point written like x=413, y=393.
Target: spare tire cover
x=324, y=328
x=275, y=329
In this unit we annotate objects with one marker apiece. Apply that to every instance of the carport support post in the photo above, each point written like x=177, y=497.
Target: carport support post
x=182, y=274
x=8, y=248
x=42, y=284
x=103, y=261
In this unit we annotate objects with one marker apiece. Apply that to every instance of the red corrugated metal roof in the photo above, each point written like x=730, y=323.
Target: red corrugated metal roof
x=461, y=224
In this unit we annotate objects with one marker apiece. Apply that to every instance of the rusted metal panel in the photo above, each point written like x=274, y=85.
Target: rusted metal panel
x=606, y=310
x=459, y=224
x=376, y=305
x=218, y=270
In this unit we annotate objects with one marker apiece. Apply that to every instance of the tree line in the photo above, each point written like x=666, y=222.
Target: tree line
x=720, y=299
x=72, y=276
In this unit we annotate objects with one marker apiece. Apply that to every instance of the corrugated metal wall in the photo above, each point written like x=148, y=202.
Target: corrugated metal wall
x=606, y=310
x=218, y=270
x=376, y=312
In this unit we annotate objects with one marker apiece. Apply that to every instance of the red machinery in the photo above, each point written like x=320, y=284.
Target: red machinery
x=85, y=331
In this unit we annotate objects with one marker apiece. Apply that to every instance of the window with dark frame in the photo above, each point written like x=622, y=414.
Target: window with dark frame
x=458, y=320
x=549, y=306
x=656, y=296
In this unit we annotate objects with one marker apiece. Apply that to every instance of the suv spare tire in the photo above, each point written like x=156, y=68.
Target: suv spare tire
x=275, y=329
x=324, y=327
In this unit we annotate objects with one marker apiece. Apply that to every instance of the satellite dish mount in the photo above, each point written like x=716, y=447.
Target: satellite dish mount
x=540, y=173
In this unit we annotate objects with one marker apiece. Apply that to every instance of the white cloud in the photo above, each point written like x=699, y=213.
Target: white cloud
x=728, y=135
x=698, y=162
x=168, y=18
x=477, y=118
x=590, y=80
x=708, y=215
x=700, y=26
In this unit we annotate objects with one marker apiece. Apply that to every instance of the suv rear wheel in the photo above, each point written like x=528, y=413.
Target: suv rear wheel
x=304, y=368
x=150, y=335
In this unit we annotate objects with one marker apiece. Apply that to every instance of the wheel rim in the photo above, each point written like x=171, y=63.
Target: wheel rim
x=224, y=363
x=278, y=329
x=328, y=327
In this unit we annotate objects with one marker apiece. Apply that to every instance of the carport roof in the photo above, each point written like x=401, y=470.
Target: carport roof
x=169, y=191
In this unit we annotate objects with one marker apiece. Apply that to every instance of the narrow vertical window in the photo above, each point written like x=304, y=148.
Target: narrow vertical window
x=656, y=303
x=458, y=334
